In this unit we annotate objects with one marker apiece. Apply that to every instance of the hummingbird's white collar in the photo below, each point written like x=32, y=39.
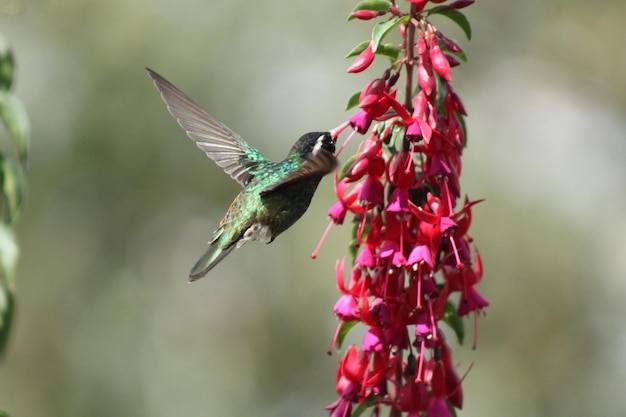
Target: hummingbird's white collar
x=318, y=145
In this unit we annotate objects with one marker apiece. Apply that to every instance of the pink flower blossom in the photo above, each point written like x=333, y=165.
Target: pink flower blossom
x=411, y=257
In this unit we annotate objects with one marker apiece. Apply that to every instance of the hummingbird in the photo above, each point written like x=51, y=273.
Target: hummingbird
x=275, y=194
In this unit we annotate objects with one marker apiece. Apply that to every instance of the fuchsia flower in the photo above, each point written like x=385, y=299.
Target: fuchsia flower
x=411, y=251
x=375, y=100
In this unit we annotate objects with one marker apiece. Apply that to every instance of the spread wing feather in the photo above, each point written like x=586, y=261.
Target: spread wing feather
x=315, y=165
x=222, y=145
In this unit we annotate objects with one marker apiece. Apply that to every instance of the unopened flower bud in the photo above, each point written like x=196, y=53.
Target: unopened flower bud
x=363, y=61
x=365, y=14
x=439, y=62
x=459, y=4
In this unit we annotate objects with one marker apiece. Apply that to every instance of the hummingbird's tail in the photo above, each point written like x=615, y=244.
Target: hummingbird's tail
x=211, y=257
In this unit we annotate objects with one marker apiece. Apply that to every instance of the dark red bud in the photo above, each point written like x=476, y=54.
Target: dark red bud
x=393, y=79
x=459, y=4
x=452, y=60
x=457, y=104
x=449, y=43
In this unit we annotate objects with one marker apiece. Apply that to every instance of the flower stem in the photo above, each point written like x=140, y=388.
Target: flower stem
x=409, y=46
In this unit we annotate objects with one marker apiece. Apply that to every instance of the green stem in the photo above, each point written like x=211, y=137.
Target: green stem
x=409, y=48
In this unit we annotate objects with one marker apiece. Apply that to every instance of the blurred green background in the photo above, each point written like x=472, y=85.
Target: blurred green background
x=121, y=203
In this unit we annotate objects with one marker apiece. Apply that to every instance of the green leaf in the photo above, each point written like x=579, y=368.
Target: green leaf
x=461, y=55
x=13, y=185
x=451, y=408
x=375, y=5
x=390, y=50
x=9, y=253
x=346, y=166
x=7, y=65
x=13, y=114
x=354, y=249
x=344, y=329
x=7, y=312
x=381, y=29
x=369, y=401
x=442, y=91
x=358, y=49
x=8, y=262
x=353, y=101
x=463, y=126
x=396, y=138
x=454, y=321
x=454, y=15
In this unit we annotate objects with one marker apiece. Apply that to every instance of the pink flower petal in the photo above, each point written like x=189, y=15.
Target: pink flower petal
x=421, y=253
x=366, y=258
x=373, y=341
x=399, y=201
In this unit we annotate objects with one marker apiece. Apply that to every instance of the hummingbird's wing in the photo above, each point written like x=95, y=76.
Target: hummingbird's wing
x=225, y=147
x=316, y=164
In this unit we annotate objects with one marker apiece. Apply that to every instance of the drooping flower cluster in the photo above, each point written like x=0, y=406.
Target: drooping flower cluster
x=411, y=251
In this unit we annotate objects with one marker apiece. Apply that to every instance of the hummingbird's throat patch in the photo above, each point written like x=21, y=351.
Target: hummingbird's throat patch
x=258, y=231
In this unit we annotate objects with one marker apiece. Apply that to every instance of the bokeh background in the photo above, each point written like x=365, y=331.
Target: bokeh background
x=121, y=203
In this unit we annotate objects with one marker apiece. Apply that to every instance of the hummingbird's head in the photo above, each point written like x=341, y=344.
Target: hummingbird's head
x=312, y=142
